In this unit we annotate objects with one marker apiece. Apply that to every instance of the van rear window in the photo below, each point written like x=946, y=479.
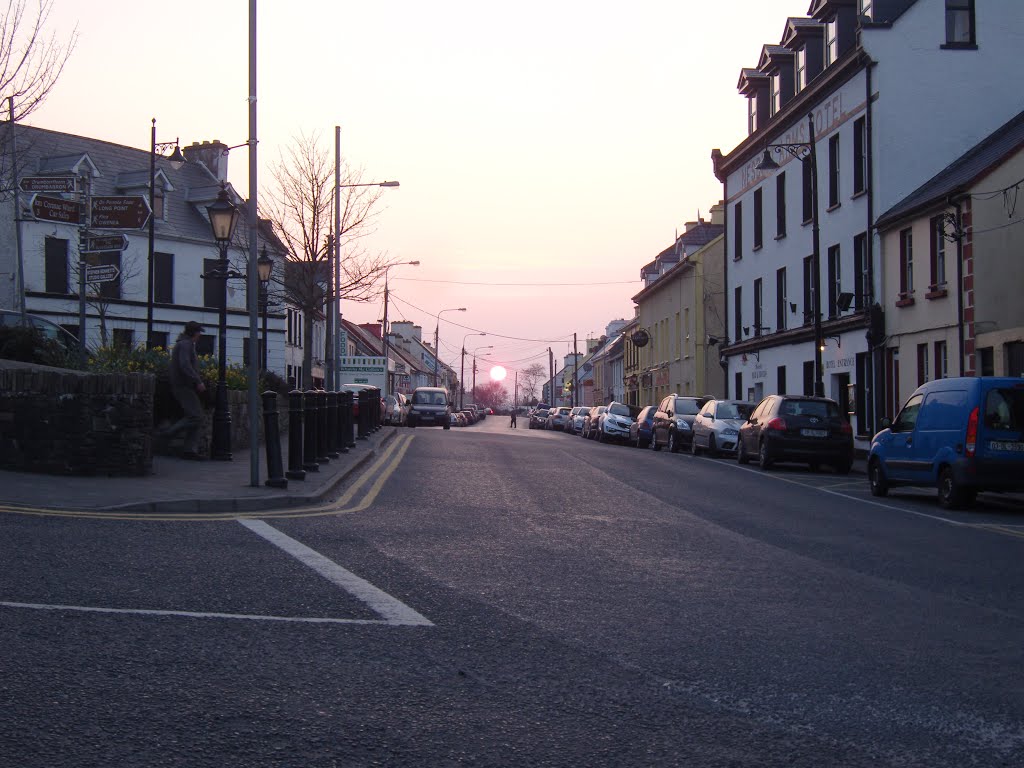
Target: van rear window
x=1004, y=410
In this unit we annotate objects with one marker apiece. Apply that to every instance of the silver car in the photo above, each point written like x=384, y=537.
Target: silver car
x=716, y=428
x=575, y=424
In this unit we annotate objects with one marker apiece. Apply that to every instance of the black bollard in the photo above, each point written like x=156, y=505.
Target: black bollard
x=377, y=421
x=332, y=425
x=348, y=420
x=295, y=470
x=363, y=414
x=272, y=437
x=340, y=443
x=309, y=462
x=321, y=428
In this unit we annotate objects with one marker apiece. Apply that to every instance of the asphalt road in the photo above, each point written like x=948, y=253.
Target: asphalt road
x=491, y=597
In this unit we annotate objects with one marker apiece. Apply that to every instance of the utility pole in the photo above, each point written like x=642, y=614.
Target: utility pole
x=551, y=373
x=576, y=370
x=17, y=217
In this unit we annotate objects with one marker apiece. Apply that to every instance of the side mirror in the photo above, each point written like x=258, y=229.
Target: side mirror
x=886, y=422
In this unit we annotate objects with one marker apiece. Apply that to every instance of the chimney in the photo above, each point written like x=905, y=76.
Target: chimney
x=718, y=213
x=212, y=154
x=372, y=328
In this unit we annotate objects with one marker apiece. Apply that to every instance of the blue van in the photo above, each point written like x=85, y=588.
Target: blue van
x=961, y=435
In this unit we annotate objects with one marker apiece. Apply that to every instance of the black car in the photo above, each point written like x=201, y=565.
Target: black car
x=810, y=430
x=430, y=407
x=538, y=418
x=673, y=422
x=640, y=431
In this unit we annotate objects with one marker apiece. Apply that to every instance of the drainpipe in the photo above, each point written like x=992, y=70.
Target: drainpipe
x=872, y=402
x=959, y=282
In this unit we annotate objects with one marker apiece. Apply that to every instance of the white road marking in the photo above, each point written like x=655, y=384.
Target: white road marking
x=191, y=614
x=392, y=610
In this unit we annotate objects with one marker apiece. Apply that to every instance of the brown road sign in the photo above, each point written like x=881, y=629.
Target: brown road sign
x=119, y=212
x=101, y=243
x=64, y=184
x=56, y=209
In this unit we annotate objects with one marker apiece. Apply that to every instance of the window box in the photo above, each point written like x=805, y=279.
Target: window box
x=905, y=300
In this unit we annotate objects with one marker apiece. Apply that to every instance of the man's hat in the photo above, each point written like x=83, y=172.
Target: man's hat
x=192, y=328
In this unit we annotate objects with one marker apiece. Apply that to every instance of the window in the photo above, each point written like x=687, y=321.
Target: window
x=214, y=288
x=861, y=289
x=160, y=339
x=864, y=8
x=739, y=385
x=907, y=417
x=834, y=281
x=752, y=114
x=780, y=205
x=780, y=380
x=758, y=225
x=941, y=360
x=960, y=23
x=56, y=255
x=758, y=296
x=938, y=254
x=123, y=338
x=159, y=204
x=809, y=377
x=922, y=364
x=776, y=93
x=780, y=299
x=906, y=263
x=737, y=211
x=204, y=346
x=986, y=361
x=112, y=288
x=860, y=155
x=801, y=69
x=808, y=289
x=808, y=181
x=261, y=352
x=738, y=314
x=833, y=171
x=163, y=278
x=831, y=41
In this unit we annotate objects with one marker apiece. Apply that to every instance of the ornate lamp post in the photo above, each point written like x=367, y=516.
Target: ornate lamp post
x=265, y=267
x=223, y=218
x=437, y=341
x=176, y=160
x=805, y=152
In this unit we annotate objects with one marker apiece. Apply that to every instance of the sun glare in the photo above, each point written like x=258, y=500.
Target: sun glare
x=498, y=373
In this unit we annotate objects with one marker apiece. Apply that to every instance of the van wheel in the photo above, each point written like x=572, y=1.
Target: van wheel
x=953, y=495
x=876, y=478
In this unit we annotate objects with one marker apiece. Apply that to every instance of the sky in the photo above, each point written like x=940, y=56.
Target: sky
x=546, y=149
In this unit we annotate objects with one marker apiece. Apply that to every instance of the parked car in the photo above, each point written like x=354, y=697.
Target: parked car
x=590, y=421
x=557, y=418
x=396, y=409
x=960, y=435
x=673, y=422
x=47, y=328
x=615, y=423
x=717, y=427
x=810, y=430
x=429, y=406
x=575, y=424
x=538, y=418
x=640, y=430
x=470, y=415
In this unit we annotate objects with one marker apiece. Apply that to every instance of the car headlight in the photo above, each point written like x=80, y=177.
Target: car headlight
x=730, y=432
x=683, y=425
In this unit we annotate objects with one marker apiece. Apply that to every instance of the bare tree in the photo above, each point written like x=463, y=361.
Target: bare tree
x=31, y=61
x=529, y=378
x=102, y=296
x=301, y=209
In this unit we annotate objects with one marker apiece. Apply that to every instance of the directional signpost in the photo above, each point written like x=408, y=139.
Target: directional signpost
x=119, y=212
x=102, y=243
x=56, y=209
x=59, y=184
x=101, y=273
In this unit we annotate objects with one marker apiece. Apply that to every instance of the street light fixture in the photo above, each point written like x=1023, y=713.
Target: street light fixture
x=387, y=341
x=176, y=161
x=265, y=267
x=223, y=218
x=437, y=341
x=805, y=152
x=462, y=367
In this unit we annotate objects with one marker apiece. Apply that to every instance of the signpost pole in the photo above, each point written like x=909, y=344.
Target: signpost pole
x=17, y=211
x=83, y=233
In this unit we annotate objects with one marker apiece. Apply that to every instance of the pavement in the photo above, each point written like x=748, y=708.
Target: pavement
x=181, y=486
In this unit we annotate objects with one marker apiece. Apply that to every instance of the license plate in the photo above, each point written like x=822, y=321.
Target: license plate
x=998, y=445
x=814, y=432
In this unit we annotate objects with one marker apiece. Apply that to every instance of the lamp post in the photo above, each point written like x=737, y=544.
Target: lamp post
x=176, y=160
x=387, y=342
x=489, y=346
x=223, y=218
x=265, y=267
x=437, y=341
x=462, y=367
x=805, y=152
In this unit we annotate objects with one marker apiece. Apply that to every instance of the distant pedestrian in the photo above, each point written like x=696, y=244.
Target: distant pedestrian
x=513, y=424
x=187, y=384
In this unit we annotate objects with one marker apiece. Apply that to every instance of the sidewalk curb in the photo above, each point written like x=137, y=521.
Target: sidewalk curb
x=261, y=504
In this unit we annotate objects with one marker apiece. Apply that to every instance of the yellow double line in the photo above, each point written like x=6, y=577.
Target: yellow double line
x=375, y=476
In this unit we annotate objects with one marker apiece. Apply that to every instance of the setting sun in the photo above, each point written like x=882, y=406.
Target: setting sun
x=498, y=373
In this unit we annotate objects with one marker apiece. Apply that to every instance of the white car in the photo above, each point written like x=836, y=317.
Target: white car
x=396, y=408
x=614, y=424
x=716, y=428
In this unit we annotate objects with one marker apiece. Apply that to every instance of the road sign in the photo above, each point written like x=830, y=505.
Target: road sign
x=64, y=184
x=119, y=212
x=100, y=243
x=56, y=209
x=101, y=273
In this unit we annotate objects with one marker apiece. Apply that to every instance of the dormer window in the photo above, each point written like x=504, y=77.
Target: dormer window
x=831, y=41
x=776, y=93
x=752, y=115
x=801, y=69
x=864, y=9
x=960, y=23
x=157, y=204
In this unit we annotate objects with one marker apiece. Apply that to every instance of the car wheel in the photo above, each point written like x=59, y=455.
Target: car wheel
x=876, y=479
x=764, y=459
x=447, y=426
x=600, y=435
x=654, y=442
x=673, y=442
x=741, y=454
x=694, y=450
x=952, y=495
x=712, y=447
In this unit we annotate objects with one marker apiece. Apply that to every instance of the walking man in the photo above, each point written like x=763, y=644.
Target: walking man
x=186, y=384
x=513, y=424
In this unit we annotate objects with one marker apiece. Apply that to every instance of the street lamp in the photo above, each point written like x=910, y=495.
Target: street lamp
x=489, y=346
x=387, y=341
x=176, y=160
x=265, y=267
x=462, y=367
x=437, y=328
x=805, y=152
x=223, y=218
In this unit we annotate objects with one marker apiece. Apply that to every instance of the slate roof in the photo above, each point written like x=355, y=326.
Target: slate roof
x=959, y=175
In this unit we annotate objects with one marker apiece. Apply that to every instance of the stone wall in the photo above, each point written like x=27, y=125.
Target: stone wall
x=238, y=404
x=64, y=422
